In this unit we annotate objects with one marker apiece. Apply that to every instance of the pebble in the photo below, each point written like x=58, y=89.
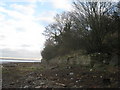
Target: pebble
x=26, y=86
x=76, y=81
x=69, y=67
x=75, y=86
x=42, y=83
x=71, y=73
x=71, y=78
x=34, y=83
x=61, y=84
x=38, y=78
x=38, y=87
x=41, y=75
x=56, y=75
x=81, y=86
x=91, y=70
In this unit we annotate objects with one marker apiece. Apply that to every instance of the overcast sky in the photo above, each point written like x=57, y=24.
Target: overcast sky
x=22, y=23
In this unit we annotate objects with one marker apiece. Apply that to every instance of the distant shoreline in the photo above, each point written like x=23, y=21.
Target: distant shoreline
x=12, y=58
x=17, y=61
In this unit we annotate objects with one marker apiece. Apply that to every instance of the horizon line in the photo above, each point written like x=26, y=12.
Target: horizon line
x=20, y=58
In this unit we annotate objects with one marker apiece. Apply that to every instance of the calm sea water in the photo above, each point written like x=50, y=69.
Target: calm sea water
x=8, y=61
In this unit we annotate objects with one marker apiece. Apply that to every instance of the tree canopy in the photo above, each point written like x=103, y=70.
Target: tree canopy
x=92, y=27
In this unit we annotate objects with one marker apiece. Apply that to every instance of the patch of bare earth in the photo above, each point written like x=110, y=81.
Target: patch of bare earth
x=23, y=76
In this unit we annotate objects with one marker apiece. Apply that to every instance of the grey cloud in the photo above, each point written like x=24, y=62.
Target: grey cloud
x=2, y=45
x=19, y=53
x=2, y=37
x=25, y=45
x=20, y=29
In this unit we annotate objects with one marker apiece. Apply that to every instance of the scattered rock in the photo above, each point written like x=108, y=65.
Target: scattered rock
x=26, y=86
x=101, y=76
x=62, y=78
x=71, y=78
x=68, y=67
x=34, y=83
x=75, y=86
x=38, y=87
x=42, y=83
x=81, y=86
x=76, y=81
x=71, y=73
x=61, y=84
x=91, y=69
x=41, y=75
